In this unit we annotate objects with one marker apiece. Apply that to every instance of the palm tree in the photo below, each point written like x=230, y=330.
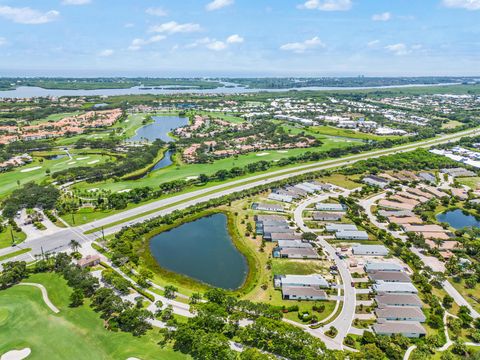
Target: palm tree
x=74, y=245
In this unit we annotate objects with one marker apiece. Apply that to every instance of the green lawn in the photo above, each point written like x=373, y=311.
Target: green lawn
x=332, y=131
x=472, y=182
x=466, y=292
x=71, y=334
x=6, y=237
x=298, y=267
x=37, y=170
x=185, y=171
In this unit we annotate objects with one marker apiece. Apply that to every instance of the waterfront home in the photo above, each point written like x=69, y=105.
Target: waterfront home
x=303, y=293
x=372, y=250
x=267, y=207
x=301, y=280
x=297, y=253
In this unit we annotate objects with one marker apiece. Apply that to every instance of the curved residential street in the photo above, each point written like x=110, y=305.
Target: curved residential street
x=343, y=321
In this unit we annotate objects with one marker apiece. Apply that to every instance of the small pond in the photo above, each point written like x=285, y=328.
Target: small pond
x=458, y=219
x=159, y=129
x=203, y=250
x=166, y=161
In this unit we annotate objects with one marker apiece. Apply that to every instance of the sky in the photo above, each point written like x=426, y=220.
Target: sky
x=185, y=38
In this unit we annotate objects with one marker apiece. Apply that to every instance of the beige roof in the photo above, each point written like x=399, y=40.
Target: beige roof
x=445, y=245
x=303, y=291
x=423, y=228
x=435, y=235
x=405, y=220
x=395, y=205
x=420, y=192
x=434, y=191
x=405, y=200
x=389, y=276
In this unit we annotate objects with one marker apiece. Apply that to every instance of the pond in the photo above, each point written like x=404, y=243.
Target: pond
x=159, y=129
x=203, y=250
x=458, y=219
x=166, y=161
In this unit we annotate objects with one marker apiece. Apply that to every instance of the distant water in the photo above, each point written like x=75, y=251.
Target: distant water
x=32, y=91
x=458, y=219
x=203, y=250
x=159, y=129
x=166, y=161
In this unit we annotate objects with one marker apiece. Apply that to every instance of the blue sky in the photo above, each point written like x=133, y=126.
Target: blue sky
x=240, y=37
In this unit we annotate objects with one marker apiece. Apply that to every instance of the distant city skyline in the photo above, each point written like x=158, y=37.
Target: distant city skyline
x=239, y=38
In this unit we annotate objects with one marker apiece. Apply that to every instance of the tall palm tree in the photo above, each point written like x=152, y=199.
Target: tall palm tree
x=74, y=245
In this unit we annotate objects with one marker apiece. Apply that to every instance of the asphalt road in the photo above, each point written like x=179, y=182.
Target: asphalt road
x=343, y=321
x=59, y=241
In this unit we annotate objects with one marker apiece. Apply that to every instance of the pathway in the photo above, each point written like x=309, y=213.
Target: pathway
x=44, y=295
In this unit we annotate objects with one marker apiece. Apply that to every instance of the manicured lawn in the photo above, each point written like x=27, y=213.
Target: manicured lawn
x=37, y=170
x=466, y=292
x=341, y=180
x=6, y=237
x=299, y=267
x=332, y=131
x=71, y=334
x=16, y=253
x=452, y=124
x=185, y=171
x=472, y=182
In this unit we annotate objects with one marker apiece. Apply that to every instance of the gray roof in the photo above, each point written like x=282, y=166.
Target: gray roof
x=293, y=244
x=283, y=236
x=400, y=312
x=340, y=227
x=395, y=287
x=330, y=207
x=304, y=280
x=269, y=218
x=385, y=266
x=351, y=234
x=398, y=300
x=303, y=291
x=299, y=252
x=322, y=215
x=397, y=213
x=369, y=249
x=389, y=276
x=277, y=229
x=399, y=327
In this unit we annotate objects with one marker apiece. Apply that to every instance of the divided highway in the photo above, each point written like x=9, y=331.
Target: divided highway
x=59, y=241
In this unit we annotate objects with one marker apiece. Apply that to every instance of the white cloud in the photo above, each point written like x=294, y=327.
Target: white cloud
x=138, y=43
x=173, y=27
x=3, y=41
x=382, y=17
x=76, y=2
x=28, y=15
x=216, y=45
x=235, y=39
x=300, y=47
x=398, y=49
x=129, y=25
x=106, y=53
x=156, y=11
x=327, y=5
x=218, y=4
x=373, y=43
x=462, y=4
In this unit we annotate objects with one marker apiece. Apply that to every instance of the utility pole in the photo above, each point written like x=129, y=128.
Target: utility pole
x=13, y=238
x=103, y=234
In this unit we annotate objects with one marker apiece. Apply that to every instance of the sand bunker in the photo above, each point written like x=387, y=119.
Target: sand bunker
x=16, y=354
